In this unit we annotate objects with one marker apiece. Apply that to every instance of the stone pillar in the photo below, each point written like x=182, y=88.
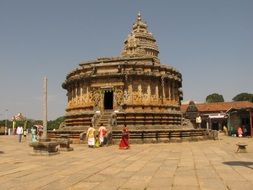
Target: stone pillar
x=176, y=92
x=81, y=93
x=81, y=88
x=44, y=135
x=149, y=93
x=68, y=95
x=75, y=93
x=72, y=93
x=169, y=90
x=157, y=92
x=163, y=97
x=44, y=146
x=78, y=86
x=172, y=91
x=89, y=100
x=130, y=93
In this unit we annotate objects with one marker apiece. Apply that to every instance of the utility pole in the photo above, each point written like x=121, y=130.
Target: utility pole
x=44, y=135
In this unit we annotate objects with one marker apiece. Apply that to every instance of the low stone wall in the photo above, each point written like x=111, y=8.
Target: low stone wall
x=163, y=136
x=149, y=119
x=145, y=136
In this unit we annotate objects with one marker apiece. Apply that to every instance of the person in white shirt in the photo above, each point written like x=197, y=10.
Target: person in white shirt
x=19, y=133
x=102, y=134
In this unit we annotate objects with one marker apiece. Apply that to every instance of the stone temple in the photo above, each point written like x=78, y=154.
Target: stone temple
x=133, y=88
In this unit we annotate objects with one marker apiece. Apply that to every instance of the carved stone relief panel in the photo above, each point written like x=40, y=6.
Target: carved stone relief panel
x=119, y=96
x=153, y=99
x=125, y=97
x=137, y=97
x=146, y=99
x=130, y=94
x=96, y=97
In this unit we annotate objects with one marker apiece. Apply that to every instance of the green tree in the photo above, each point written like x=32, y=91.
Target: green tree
x=54, y=124
x=215, y=97
x=243, y=97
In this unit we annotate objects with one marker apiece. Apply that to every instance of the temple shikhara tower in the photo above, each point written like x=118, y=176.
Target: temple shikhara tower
x=133, y=88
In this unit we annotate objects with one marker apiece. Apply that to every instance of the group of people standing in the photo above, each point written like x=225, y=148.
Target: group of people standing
x=97, y=138
x=240, y=131
x=103, y=137
x=21, y=132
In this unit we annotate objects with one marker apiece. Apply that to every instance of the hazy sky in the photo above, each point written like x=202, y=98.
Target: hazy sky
x=209, y=41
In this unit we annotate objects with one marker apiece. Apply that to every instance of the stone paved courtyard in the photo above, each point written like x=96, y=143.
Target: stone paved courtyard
x=190, y=165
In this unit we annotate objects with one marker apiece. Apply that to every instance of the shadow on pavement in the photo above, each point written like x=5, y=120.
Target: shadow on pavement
x=240, y=163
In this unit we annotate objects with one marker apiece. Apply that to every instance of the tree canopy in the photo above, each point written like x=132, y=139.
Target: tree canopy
x=52, y=124
x=243, y=97
x=215, y=97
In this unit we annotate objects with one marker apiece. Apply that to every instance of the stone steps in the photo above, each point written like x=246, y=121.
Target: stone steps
x=105, y=118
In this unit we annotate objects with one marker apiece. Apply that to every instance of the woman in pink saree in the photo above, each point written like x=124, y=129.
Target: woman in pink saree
x=124, y=143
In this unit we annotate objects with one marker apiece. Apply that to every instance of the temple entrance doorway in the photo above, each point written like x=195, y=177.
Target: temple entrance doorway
x=108, y=99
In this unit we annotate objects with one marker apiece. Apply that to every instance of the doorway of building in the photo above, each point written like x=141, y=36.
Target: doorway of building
x=215, y=125
x=108, y=99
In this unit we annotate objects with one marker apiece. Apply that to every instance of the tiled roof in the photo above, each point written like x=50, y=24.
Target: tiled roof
x=219, y=106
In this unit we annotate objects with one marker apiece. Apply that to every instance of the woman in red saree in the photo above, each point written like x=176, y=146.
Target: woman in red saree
x=124, y=144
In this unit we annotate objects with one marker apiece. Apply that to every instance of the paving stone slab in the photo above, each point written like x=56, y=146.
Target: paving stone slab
x=201, y=165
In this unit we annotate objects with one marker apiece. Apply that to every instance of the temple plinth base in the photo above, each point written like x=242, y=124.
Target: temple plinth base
x=44, y=147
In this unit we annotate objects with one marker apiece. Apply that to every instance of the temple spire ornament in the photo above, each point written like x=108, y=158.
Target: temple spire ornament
x=140, y=42
x=139, y=16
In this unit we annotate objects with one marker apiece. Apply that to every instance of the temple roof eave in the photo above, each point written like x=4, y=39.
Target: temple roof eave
x=122, y=76
x=87, y=69
x=113, y=59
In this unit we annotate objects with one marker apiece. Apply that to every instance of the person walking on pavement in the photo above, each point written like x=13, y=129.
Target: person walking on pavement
x=90, y=136
x=19, y=133
x=124, y=143
x=102, y=134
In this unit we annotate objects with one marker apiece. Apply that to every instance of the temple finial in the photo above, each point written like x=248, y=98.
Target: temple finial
x=139, y=16
x=140, y=42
